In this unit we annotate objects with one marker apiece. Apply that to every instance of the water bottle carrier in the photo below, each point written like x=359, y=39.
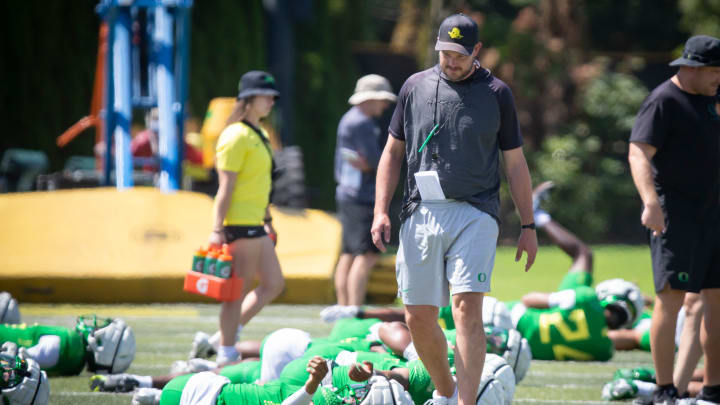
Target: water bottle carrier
x=222, y=289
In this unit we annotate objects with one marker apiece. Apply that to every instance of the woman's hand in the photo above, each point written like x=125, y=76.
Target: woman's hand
x=216, y=239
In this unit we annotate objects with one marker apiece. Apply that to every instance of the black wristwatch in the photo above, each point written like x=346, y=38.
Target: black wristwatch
x=531, y=225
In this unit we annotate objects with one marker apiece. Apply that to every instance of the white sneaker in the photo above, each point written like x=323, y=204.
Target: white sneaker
x=335, y=312
x=438, y=399
x=222, y=361
x=192, y=366
x=146, y=396
x=201, y=346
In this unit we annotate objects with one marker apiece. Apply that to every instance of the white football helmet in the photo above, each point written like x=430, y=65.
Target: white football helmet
x=383, y=391
x=26, y=384
x=112, y=347
x=495, y=313
x=518, y=354
x=502, y=372
x=9, y=311
x=624, y=295
x=490, y=391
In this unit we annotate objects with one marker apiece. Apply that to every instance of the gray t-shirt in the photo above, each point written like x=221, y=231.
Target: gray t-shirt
x=476, y=119
x=357, y=133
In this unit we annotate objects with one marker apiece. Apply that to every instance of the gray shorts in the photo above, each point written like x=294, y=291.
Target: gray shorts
x=445, y=248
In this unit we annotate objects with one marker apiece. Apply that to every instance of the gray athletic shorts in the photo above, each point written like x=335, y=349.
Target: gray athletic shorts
x=446, y=247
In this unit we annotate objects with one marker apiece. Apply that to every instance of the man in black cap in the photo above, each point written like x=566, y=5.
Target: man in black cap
x=451, y=123
x=674, y=157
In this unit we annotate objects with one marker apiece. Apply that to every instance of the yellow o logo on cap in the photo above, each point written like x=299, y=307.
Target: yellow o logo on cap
x=455, y=33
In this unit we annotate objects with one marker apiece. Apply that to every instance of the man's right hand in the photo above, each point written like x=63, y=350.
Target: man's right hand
x=380, y=231
x=653, y=218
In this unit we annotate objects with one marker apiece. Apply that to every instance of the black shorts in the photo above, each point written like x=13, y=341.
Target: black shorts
x=234, y=232
x=687, y=256
x=356, y=220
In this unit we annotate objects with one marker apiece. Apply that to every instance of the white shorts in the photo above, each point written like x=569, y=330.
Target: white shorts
x=280, y=348
x=446, y=247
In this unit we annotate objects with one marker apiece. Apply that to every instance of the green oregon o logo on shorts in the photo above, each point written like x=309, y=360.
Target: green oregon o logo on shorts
x=684, y=277
x=482, y=277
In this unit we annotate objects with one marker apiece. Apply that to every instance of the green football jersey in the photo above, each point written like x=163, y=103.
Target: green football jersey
x=72, y=346
x=575, y=279
x=245, y=372
x=575, y=333
x=445, y=318
x=351, y=328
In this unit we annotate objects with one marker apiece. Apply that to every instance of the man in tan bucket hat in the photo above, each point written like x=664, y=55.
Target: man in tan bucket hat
x=356, y=157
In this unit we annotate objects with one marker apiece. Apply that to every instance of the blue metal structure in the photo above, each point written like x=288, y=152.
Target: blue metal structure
x=147, y=66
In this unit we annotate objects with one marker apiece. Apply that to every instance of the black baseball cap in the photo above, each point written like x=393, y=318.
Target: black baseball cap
x=700, y=50
x=458, y=33
x=257, y=82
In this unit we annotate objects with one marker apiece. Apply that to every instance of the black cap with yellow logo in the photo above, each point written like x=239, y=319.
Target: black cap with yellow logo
x=458, y=33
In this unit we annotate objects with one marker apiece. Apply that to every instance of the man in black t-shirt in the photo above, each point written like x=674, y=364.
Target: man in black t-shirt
x=675, y=162
x=451, y=124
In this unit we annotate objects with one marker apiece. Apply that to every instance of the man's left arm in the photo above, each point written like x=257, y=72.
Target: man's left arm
x=518, y=175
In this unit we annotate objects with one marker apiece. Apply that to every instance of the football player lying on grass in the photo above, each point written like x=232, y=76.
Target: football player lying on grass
x=21, y=380
x=104, y=344
x=640, y=382
x=278, y=349
x=573, y=323
x=355, y=383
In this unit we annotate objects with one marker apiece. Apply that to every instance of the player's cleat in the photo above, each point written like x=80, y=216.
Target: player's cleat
x=201, y=346
x=335, y=312
x=666, y=396
x=146, y=396
x=113, y=382
x=619, y=389
x=541, y=193
x=646, y=374
x=192, y=366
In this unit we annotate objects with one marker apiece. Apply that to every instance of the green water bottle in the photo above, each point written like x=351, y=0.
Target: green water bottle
x=223, y=269
x=211, y=261
x=198, y=262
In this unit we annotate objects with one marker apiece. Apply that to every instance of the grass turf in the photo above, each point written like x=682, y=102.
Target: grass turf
x=164, y=332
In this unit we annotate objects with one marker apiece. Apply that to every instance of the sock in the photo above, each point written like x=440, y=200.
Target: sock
x=541, y=218
x=645, y=389
x=410, y=353
x=215, y=338
x=227, y=352
x=144, y=380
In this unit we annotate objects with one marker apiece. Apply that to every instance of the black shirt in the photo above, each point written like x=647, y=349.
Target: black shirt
x=476, y=119
x=685, y=129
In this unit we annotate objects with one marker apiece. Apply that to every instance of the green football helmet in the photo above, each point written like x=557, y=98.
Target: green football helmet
x=22, y=382
x=87, y=324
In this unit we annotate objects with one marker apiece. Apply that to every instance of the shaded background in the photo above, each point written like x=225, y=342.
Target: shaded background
x=578, y=69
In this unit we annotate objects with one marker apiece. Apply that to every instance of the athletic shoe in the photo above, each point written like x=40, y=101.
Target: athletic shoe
x=686, y=401
x=201, y=346
x=146, y=396
x=335, y=312
x=541, y=193
x=222, y=361
x=646, y=374
x=619, y=389
x=192, y=366
x=113, y=382
x=438, y=399
x=704, y=398
x=666, y=396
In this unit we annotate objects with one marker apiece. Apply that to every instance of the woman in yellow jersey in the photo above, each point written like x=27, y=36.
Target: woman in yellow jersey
x=240, y=216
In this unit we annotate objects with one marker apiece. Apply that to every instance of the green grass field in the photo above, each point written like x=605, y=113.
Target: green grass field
x=164, y=332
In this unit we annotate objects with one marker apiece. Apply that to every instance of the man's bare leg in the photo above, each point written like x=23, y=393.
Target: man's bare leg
x=341, y=278
x=662, y=342
x=358, y=278
x=710, y=335
x=470, y=344
x=431, y=345
x=690, y=350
